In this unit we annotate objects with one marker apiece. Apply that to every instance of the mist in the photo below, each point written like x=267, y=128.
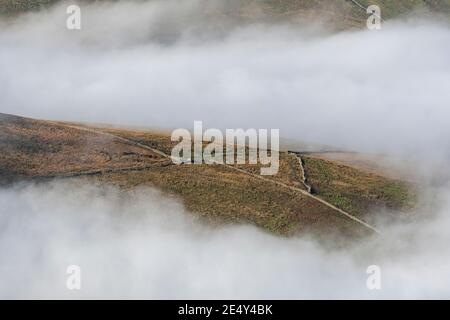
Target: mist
x=164, y=64
x=144, y=245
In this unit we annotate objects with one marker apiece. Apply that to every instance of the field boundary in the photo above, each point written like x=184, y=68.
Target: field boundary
x=302, y=169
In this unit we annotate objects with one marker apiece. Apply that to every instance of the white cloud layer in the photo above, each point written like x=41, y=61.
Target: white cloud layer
x=142, y=245
x=164, y=64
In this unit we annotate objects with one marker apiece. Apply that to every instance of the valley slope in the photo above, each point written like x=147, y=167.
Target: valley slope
x=37, y=150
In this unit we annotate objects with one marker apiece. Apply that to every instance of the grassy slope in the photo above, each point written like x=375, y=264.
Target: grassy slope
x=14, y=6
x=356, y=191
x=288, y=173
x=217, y=194
x=393, y=8
x=32, y=148
x=221, y=195
x=39, y=148
x=348, y=188
x=390, y=8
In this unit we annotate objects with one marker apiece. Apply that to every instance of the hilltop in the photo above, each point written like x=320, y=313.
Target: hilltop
x=340, y=13
x=36, y=150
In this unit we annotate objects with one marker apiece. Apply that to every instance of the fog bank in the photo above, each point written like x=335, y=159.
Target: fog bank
x=164, y=64
x=143, y=245
x=167, y=63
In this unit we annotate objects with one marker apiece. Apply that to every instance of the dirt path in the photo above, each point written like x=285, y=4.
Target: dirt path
x=304, y=192
x=128, y=141
x=94, y=172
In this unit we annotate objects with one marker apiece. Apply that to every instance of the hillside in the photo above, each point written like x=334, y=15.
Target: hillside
x=32, y=148
x=340, y=12
x=35, y=150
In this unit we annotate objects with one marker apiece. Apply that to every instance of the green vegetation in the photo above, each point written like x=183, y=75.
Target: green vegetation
x=393, y=8
x=350, y=189
x=389, y=8
x=14, y=6
x=345, y=13
x=217, y=194
x=344, y=8
x=32, y=148
x=355, y=191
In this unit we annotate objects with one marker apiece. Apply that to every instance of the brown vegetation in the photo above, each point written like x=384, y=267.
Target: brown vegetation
x=216, y=193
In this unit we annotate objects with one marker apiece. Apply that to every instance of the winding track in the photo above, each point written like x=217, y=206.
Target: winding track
x=96, y=131
x=306, y=193
x=137, y=144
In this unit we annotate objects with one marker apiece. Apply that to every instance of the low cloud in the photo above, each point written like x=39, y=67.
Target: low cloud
x=143, y=245
x=168, y=63
x=165, y=64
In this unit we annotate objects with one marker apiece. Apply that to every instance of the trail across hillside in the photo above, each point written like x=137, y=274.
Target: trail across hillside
x=128, y=141
x=94, y=172
x=137, y=144
x=306, y=193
